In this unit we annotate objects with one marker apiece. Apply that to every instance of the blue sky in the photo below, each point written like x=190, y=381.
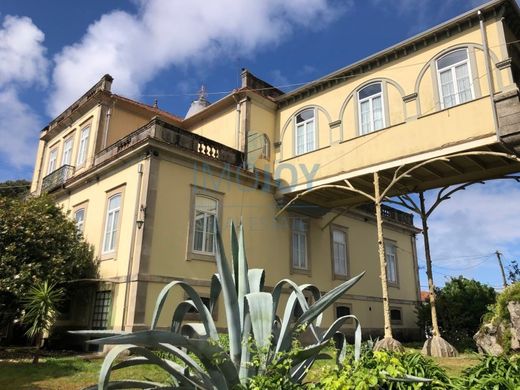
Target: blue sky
x=51, y=52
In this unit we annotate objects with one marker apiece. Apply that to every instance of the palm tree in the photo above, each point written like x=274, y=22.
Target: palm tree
x=41, y=312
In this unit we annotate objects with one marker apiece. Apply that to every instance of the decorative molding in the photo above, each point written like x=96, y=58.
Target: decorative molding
x=504, y=64
x=410, y=98
x=277, y=144
x=335, y=124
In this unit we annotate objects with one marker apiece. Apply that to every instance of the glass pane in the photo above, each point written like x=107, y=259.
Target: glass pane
x=452, y=58
x=369, y=90
x=309, y=135
x=447, y=88
x=204, y=203
x=114, y=202
x=197, y=240
x=80, y=215
x=300, y=139
x=463, y=83
x=305, y=115
x=378, y=113
x=365, y=117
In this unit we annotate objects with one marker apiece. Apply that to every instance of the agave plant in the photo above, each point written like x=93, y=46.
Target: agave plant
x=256, y=332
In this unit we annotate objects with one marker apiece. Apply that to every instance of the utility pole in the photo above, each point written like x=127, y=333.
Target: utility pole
x=501, y=268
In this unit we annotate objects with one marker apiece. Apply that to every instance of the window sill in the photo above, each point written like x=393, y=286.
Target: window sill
x=394, y=285
x=301, y=271
x=200, y=256
x=303, y=154
x=108, y=256
x=340, y=277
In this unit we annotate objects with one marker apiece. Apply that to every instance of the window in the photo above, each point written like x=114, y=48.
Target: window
x=299, y=242
x=67, y=151
x=305, y=131
x=79, y=217
x=112, y=223
x=454, y=77
x=342, y=310
x=391, y=262
x=83, y=146
x=206, y=210
x=339, y=252
x=53, y=156
x=371, y=116
x=101, y=309
x=396, y=316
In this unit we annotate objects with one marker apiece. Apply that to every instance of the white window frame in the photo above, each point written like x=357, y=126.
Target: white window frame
x=80, y=223
x=112, y=219
x=335, y=271
x=391, y=261
x=68, y=144
x=84, y=137
x=299, y=238
x=452, y=68
x=302, y=126
x=53, y=159
x=206, y=214
x=370, y=100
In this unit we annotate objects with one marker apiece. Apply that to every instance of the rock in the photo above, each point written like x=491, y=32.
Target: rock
x=488, y=337
x=389, y=344
x=438, y=347
x=514, y=313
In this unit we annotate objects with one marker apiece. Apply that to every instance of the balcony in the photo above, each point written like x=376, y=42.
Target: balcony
x=57, y=178
x=389, y=214
x=177, y=137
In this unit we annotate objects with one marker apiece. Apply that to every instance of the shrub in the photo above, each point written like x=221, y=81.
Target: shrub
x=492, y=372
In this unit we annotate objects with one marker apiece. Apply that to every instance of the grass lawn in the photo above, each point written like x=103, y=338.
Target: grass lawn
x=71, y=373
x=66, y=373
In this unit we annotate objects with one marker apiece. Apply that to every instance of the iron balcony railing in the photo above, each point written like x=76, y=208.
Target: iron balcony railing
x=57, y=178
x=389, y=213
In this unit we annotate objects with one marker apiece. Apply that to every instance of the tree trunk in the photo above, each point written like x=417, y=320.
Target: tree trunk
x=38, y=341
x=382, y=258
x=429, y=272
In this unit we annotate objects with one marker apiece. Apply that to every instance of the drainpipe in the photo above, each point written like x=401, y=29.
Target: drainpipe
x=137, y=210
x=491, y=85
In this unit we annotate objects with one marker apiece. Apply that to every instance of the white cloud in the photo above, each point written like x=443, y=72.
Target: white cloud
x=135, y=47
x=19, y=127
x=22, y=54
x=22, y=64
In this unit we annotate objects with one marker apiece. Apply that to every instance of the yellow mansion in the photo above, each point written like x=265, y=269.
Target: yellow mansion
x=146, y=187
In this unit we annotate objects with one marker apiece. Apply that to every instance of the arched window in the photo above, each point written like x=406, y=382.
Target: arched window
x=371, y=112
x=454, y=78
x=205, y=219
x=305, y=131
x=112, y=223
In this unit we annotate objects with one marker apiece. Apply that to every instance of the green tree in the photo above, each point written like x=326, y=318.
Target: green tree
x=38, y=243
x=461, y=303
x=513, y=271
x=40, y=306
x=15, y=188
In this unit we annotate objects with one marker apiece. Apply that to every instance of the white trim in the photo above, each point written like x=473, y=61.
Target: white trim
x=53, y=159
x=304, y=124
x=68, y=145
x=84, y=137
x=112, y=216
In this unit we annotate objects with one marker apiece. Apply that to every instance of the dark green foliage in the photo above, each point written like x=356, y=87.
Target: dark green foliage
x=461, y=304
x=14, y=188
x=37, y=243
x=493, y=372
x=513, y=271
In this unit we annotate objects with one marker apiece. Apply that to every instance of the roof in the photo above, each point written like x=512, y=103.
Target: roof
x=155, y=110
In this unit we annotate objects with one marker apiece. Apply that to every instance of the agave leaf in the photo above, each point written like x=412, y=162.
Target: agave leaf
x=260, y=307
x=217, y=363
x=214, y=291
x=246, y=369
x=336, y=325
x=242, y=282
x=256, y=278
x=326, y=300
x=303, y=360
x=230, y=301
x=234, y=253
x=207, y=320
x=180, y=313
x=131, y=384
x=97, y=333
x=340, y=341
x=193, y=330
